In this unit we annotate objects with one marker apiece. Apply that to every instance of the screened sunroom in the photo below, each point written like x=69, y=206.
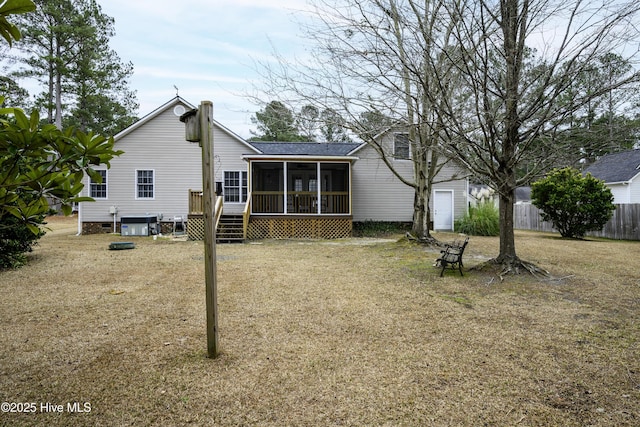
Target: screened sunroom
x=300, y=190
x=298, y=187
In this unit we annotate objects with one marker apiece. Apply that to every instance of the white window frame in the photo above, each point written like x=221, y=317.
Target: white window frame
x=243, y=188
x=153, y=185
x=105, y=183
x=395, y=152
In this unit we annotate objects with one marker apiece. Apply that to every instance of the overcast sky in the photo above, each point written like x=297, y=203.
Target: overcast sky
x=207, y=48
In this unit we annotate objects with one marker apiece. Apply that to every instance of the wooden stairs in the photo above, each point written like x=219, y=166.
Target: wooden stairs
x=230, y=229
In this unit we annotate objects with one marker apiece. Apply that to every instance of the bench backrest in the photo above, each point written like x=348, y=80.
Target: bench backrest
x=464, y=245
x=457, y=248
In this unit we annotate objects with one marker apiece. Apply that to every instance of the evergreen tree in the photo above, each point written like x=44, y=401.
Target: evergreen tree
x=276, y=122
x=37, y=163
x=103, y=102
x=65, y=48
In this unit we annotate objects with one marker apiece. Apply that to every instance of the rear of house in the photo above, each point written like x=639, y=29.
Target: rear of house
x=378, y=195
x=153, y=176
x=279, y=190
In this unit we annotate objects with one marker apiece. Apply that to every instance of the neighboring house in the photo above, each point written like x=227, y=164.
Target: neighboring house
x=276, y=189
x=621, y=173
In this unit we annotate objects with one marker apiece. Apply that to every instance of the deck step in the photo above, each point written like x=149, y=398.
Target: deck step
x=230, y=229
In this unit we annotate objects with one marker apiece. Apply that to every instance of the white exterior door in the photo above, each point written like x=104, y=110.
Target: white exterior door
x=443, y=210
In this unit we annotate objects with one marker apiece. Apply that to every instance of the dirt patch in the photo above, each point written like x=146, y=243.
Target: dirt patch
x=353, y=332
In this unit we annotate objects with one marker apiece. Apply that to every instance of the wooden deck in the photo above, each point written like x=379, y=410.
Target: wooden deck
x=302, y=225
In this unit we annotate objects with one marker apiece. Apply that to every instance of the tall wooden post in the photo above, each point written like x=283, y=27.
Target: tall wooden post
x=208, y=189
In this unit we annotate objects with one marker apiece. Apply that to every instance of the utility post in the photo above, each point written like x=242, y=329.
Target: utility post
x=199, y=128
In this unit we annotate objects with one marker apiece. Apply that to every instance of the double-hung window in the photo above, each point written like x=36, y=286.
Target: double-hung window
x=145, y=184
x=235, y=186
x=98, y=190
x=401, y=146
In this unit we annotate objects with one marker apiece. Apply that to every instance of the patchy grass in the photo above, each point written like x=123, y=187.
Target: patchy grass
x=349, y=332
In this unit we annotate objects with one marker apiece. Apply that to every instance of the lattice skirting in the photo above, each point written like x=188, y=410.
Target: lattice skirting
x=299, y=227
x=195, y=227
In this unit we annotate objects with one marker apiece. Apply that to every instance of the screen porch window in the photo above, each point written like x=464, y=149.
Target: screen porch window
x=98, y=190
x=301, y=188
x=144, y=184
x=235, y=186
x=401, y=146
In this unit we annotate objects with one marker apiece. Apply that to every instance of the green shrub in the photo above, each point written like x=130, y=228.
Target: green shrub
x=481, y=220
x=574, y=203
x=15, y=241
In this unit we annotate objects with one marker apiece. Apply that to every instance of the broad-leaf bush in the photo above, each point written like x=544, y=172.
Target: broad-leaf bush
x=574, y=203
x=39, y=163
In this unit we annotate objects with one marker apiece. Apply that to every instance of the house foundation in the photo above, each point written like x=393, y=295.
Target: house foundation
x=107, y=227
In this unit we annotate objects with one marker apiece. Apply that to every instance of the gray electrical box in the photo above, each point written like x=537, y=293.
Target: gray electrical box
x=145, y=225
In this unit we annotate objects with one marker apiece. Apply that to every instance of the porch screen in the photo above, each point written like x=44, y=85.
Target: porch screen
x=334, y=189
x=302, y=187
x=267, y=187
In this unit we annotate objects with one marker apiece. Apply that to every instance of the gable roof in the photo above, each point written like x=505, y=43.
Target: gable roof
x=616, y=167
x=305, y=148
x=172, y=104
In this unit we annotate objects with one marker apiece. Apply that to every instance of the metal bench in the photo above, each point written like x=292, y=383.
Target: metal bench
x=451, y=256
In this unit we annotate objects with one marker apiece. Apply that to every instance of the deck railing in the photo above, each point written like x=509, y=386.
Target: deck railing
x=196, y=206
x=217, y=212
x=300, y=202
x=272, y=202
x=336, y=202
x=246, y=213
x=195, y=202
x=267, y=202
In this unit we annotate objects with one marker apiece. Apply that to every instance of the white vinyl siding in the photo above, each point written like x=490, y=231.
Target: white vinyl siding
x=159, y=144
x=98, y=190
x=626, y=193
x=634, y=190
x=380, y=196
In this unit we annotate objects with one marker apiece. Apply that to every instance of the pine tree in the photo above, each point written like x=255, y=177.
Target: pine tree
x=86, y=84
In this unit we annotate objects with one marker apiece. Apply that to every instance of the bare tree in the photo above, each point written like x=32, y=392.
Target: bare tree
x=377, y=57
x=511, y=101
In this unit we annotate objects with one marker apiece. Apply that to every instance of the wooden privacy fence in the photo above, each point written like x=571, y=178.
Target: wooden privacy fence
x=623, y=225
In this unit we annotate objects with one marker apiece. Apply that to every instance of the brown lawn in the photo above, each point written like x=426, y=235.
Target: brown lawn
x=352, y=332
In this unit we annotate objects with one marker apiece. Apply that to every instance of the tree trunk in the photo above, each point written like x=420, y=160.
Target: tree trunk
x=507, y=239
x=422, y=190
x=50, y=85
x=58, y=109
x=421, y=213
x=58, y=90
